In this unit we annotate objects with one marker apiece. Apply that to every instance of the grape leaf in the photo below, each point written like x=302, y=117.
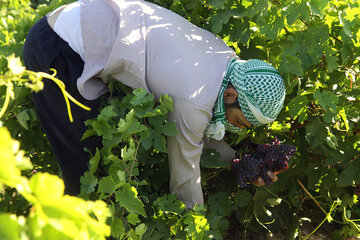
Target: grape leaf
x=133, y=219
x=217, y=3
x=220, y=204
x=318, y=7
x=140, y=229
x=88, y=182
x=10, y=227
x=169, y=202
x=160, y=143
x=350, y=174
x=331, y=63
x=117, y=228
x=107, y=185
x=169, y=129
x=326, y=99
x=141, y=97
x=297, y=105
x=23, y=118
x=167, y=101
x=126, y=196
x=242, y=198
x=94, y=162
x=107, y=112
x=315, y=133
x=211, y=159
x=102, y=128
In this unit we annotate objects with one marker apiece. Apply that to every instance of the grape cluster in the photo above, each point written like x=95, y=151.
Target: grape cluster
x=273, y=156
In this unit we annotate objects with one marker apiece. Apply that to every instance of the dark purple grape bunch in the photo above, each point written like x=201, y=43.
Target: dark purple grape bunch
x=272, y=157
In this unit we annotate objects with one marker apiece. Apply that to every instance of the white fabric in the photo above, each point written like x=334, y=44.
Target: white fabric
x=258, y=115
x=68, y=27
x=216, y=130
x=143, y=45
x=188, y=63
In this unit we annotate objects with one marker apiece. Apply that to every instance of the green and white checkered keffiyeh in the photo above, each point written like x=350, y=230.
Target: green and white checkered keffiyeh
x=261, y=94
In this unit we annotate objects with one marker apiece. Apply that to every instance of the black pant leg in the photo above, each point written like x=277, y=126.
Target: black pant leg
x=43, y=50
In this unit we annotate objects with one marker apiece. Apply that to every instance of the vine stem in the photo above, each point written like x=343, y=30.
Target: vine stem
x=311, y=196
x=39, y=77
x=316, y=202
x=67, y=96
x=262, y=224
x=333, y=206
x=352, y=221
x=135, y=158
x=215, y=174
x=6, y=103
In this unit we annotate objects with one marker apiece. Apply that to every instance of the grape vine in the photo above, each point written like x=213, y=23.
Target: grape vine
x=314, y=44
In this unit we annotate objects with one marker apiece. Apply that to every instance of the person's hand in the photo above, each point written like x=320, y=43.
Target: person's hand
x=260, y=182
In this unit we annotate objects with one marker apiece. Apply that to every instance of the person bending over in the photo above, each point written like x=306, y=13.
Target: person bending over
x=142, y=45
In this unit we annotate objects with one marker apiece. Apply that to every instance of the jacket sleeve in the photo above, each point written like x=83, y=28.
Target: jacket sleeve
x=185, y=150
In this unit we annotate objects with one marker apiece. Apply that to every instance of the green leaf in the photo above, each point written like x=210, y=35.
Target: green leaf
x=218, y=20
x=210, y=158
x=349, y=175
x=147, y=139
x=131, y=124
x=169, y=202
x=108, y=112
x=160, y=143
x=315, y=133
x=297, y=106
x=313, y=176
x=318, y=7
x=88, y=182
x=167, y=101
x=107, y=185
x=94, y=161
x=128, y=152
x=330, y=178
x=23, y=118
x=292, y=64
x=331, y=63
x=156, y=140
x=102, y=128
x=140, y=229
x=196, y=225
x=344, y=154
x=220, y=204
x=88, y=133
x=292, y=13
x=157, y=121
x=272, y=29
x=11, y=227
x=242, y=198
x=217, y=3
x=133, y=219
x=14, y=65
x=141, y=97
x=121, y=176
x=126, y=196
x=117, y=228
x=326, y=99
x=169, y=129
x=46, y=186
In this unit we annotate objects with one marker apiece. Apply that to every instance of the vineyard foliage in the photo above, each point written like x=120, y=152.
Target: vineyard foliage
x=124, y=195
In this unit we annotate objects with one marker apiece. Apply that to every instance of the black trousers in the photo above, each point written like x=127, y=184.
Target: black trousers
x=43, y=50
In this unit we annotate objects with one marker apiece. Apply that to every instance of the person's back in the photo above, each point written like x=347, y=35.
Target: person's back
x=182, y=59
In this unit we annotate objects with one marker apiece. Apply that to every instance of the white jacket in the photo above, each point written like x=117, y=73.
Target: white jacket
x=146, y=46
